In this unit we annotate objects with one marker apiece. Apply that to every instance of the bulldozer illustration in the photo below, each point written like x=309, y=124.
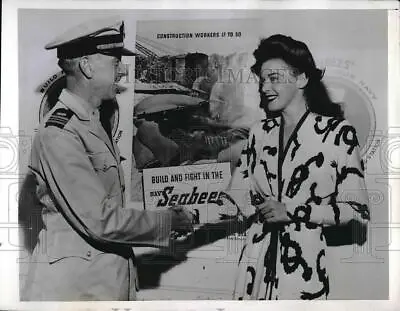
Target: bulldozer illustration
x=176, y=129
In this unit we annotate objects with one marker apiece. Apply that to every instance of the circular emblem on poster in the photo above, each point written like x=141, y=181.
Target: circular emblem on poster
x=355, y=98
x=51, y=90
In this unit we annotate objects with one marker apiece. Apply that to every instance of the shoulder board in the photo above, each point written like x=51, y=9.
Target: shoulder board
x=59, y=118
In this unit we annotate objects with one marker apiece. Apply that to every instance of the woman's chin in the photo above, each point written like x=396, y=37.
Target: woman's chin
x=271, y=108
x=274, y=106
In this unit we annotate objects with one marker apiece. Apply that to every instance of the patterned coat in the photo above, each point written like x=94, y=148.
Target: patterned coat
x=320, y=177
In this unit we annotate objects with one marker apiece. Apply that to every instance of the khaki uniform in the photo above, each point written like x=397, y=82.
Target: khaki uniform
x=84, y=251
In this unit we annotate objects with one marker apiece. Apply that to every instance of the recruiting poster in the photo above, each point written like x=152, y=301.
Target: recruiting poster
x=182, y=117
x=191, y=95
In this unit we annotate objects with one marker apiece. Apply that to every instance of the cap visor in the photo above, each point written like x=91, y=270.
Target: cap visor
x=127, y=52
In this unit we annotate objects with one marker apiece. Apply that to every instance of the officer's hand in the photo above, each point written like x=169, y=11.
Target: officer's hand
x=182, y=220
x=273, y=211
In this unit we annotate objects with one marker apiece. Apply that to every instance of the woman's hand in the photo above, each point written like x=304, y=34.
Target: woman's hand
x=273, y=211
x=182, y=219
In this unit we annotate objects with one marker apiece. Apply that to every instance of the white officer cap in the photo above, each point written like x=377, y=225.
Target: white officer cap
x=104, y=36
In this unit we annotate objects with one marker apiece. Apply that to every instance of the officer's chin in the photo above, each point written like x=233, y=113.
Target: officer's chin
x=111, y=97
x=120, y=89
x=111, y=94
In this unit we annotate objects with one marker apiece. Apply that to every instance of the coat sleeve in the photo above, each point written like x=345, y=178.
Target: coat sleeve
x=238, y=193
x=349, y=199
x=85, y=203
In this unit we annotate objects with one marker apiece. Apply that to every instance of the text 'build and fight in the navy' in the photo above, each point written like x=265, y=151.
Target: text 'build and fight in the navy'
x=192, y=186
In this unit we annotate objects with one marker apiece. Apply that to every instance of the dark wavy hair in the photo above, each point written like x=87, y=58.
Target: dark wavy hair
x=298, y=56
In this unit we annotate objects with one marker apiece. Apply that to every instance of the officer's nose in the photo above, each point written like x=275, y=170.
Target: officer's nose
x=122, y=71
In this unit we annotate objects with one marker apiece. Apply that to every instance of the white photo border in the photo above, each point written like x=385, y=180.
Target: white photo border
x=9, y=299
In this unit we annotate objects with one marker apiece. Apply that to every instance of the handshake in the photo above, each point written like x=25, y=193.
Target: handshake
x=182, y=221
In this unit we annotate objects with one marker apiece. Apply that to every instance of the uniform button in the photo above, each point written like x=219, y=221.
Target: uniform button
x=89, y=253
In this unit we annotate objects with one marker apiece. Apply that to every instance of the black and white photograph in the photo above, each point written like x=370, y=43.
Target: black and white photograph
x=202, y=155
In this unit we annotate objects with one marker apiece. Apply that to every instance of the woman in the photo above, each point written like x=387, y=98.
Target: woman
x=301, y=163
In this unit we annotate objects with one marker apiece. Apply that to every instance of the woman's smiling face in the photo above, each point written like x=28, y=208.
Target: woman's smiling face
x=278, y=85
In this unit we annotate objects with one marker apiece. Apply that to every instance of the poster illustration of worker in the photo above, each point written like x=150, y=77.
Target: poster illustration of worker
x=190, y=115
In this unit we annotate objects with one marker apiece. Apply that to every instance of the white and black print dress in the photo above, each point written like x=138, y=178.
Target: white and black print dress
x=319, y=175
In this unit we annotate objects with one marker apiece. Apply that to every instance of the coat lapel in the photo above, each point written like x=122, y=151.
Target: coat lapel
x=283, y=150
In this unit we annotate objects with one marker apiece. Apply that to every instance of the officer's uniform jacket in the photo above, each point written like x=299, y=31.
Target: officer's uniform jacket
x=84, y=251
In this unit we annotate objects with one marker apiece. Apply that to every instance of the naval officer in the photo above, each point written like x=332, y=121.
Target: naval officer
x=84, y=251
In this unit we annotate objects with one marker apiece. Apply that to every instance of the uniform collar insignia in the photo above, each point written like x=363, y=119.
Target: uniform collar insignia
x=76, y=104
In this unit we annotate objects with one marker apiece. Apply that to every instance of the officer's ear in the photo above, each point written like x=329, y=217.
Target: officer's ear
x=86, y=67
